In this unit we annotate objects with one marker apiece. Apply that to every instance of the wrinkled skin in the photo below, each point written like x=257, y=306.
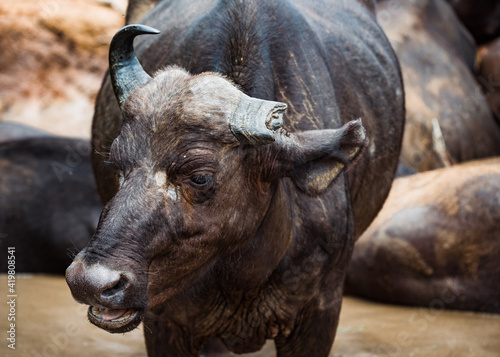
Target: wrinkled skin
x=480, y=17
x=447, y=117
x=435, y=243
x=49, y=203
x=208, y=237
x=488, y=75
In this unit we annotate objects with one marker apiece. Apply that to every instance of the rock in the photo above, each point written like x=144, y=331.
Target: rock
x=54, y=56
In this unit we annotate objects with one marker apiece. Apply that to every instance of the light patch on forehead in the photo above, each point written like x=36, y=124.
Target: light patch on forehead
x=172, y=193
x=161, y=182
x=161, y=179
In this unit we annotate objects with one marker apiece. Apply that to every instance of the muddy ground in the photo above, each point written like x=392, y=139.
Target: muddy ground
x=50, y=323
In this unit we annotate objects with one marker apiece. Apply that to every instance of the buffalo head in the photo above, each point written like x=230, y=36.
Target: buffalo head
x=200, y=169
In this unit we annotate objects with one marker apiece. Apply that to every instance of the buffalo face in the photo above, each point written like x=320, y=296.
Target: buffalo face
x=199, y=165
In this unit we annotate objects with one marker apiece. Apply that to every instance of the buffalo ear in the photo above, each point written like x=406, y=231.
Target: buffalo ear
x=314, y=159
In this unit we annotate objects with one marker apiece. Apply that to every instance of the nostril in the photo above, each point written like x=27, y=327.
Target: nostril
x=116, y=288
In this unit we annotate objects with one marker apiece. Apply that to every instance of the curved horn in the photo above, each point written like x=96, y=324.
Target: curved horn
x=124, y=68
x=255, y=121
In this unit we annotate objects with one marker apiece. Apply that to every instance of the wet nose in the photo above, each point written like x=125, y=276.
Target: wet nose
x=96, y=284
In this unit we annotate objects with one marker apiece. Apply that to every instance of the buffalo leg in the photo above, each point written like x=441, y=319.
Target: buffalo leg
x=313, y=336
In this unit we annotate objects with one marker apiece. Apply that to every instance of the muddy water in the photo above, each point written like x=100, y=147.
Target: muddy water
x=50, y=323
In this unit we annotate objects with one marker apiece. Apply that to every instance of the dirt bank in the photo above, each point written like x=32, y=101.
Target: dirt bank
x=53, y=55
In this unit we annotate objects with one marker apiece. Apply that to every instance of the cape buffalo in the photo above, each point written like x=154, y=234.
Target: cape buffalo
x=447, y=117
x=225, y=217
x=49, y=205
x=436, y=241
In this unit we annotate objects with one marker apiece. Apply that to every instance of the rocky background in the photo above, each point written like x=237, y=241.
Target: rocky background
x=53, y=56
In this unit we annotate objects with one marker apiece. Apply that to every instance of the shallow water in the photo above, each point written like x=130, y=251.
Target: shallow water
x=50, y=323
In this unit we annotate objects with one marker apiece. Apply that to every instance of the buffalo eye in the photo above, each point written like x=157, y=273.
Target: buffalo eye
x=200, y=189
x=201, y=181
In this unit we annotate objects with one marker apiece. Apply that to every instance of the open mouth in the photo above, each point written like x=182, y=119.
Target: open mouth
x=114, y=320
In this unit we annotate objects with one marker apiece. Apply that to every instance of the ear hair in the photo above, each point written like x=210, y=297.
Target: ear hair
x=314, y=159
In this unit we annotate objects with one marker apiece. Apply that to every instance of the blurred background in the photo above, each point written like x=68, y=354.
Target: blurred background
x=53, y=56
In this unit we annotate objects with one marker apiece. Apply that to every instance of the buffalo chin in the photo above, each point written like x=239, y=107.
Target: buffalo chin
x=130, y=320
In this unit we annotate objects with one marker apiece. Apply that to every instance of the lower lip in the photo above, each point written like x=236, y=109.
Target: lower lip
x=124, y=323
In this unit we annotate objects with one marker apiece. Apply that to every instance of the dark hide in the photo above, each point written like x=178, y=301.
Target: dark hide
x=436, y=242
x=49, y=204
x=447, y=117
x=11, y=131
x=208, y=237
x=480, y=17
x=285, y=61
